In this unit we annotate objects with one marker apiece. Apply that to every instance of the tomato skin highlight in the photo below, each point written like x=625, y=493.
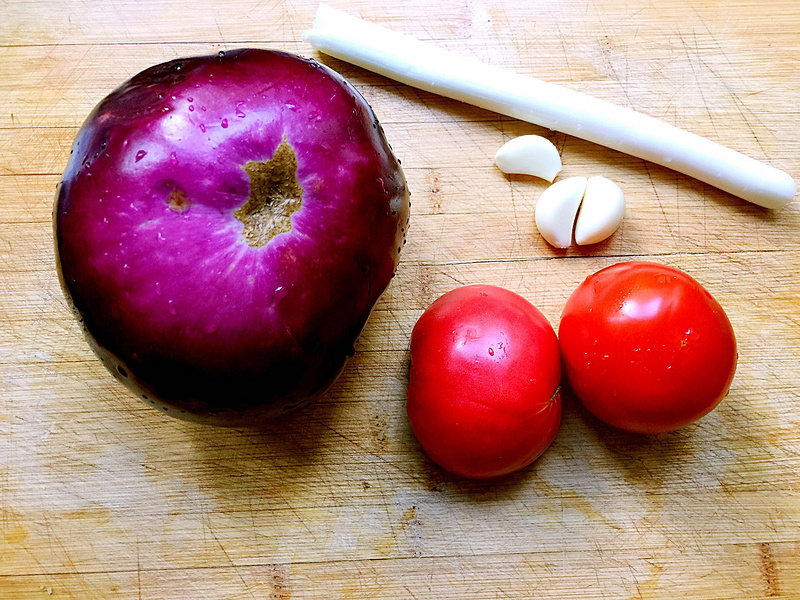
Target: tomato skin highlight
x=646, y=348
x=483, y=396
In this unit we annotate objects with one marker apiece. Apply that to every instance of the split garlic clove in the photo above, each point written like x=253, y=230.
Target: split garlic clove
x=601, y=211
x=556, y=209
x=529, y=155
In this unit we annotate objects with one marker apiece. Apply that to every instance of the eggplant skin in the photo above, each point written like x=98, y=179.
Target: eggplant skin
x=173, y=297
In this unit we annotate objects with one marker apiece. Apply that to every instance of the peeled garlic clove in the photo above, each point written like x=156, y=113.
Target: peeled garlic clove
x=529, y=155
x=555, y=211
x=601, y=211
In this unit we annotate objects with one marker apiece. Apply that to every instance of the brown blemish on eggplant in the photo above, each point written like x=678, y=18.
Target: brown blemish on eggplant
x=275, y=195
x=178, y=201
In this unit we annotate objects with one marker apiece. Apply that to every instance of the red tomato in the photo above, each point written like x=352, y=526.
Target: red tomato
x=646, y=348
x=483, y=393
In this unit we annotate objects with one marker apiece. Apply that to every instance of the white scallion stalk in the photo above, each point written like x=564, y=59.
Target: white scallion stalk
x=433, y=69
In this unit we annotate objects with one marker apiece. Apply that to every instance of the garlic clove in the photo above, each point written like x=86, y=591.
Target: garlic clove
x=601, y=211
x=556, y=209
x=529, y=155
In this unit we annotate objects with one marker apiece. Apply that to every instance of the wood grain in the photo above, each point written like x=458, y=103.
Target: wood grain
x=103, y=497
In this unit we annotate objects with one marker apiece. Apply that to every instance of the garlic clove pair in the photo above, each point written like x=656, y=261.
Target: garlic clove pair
x=592, y=207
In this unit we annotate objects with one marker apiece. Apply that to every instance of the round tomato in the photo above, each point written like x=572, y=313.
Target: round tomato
x=483, y=394
x=646, y=348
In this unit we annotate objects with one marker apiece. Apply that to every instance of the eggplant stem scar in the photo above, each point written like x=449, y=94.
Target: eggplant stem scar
x=275, y=195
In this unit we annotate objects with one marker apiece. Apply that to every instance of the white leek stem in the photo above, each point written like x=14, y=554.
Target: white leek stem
x=433, y=69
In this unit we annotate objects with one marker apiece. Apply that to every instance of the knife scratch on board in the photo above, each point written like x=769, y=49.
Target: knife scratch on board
x=230, y=561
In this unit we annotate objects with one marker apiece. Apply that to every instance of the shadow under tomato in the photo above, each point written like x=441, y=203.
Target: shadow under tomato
x=457, y=487
x=436, y=480
x=645, y=460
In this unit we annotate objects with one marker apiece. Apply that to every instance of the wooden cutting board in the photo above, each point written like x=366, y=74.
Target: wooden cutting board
x=103, y=497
